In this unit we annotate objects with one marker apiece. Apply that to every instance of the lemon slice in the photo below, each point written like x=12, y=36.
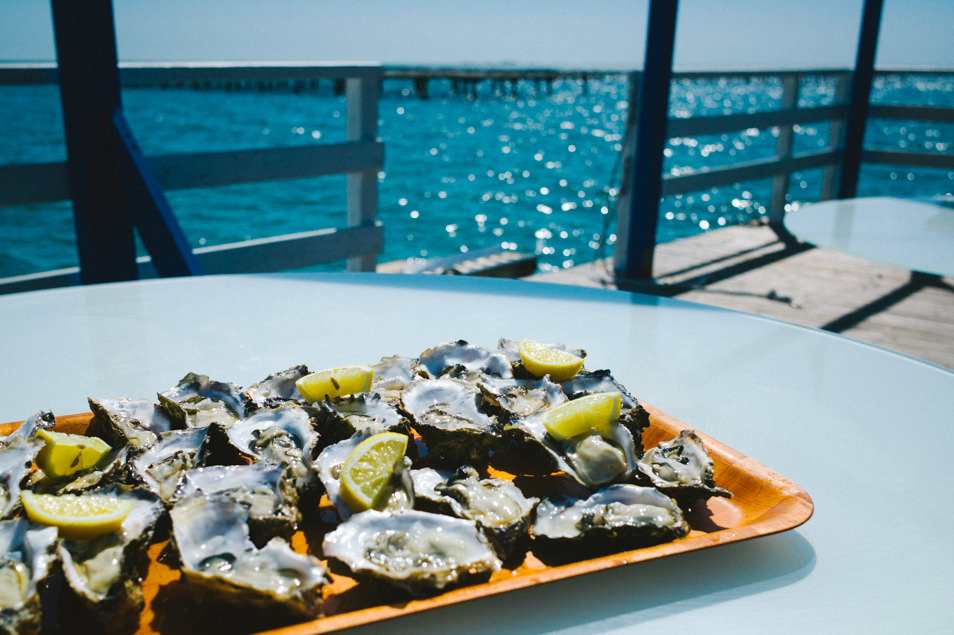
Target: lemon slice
x=335, y=382
x=592, y=412
x=367, y=470
x=65, y=454
x=81, y=517
x=539, y=359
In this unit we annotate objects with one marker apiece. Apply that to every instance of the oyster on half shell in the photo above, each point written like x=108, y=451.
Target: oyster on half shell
x=616, y=518
x=27, y=556
x=420, y=552
x=217, y=557
x=681, y=468
x=445, y=413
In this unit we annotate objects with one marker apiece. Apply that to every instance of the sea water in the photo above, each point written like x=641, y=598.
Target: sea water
x=535, y=169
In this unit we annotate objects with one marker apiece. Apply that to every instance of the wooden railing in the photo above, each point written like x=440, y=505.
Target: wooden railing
x=360, y=157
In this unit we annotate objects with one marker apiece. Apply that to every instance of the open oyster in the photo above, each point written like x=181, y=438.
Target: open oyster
x=462, y=360
x=271, y=499
x=632, y=414
x=16, y=459
x=445, y=413
x=27, y=556
x=197, y=401
x=616, y=518
x=160, y=466
x=590, y=459
x=367, y=413
x=104, y=572
x=418, y=551
x=218, y=558
x=498, y=507
x=136, y=422
x=332, y=459
x=391, y=375
x=282, y=436
x=277, y=388
x=681, y=468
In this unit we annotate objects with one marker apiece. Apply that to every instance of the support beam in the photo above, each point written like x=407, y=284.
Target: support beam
x=636, y=232
x=858, y=101
x=112, y=188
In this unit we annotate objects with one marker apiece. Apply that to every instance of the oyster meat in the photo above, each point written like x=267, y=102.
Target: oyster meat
x=616, y=518
x=27, y=556
x=197, y=402
x=445, y=413
x=418, y=551
x=105, y=572
x=136, y=422
x=498, y=507
x=217, y=556
x=463, y=360
x=270, y=497
x=160, y=466
x=681, y=468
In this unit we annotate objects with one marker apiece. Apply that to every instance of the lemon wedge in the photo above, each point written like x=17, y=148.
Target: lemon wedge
x=539, y=359
x=591, y=412
x=80, y=517
x=367, y=470
x=65, y=454
x=335, y=382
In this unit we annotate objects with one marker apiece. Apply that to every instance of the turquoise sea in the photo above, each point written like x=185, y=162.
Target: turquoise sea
x=535, y=171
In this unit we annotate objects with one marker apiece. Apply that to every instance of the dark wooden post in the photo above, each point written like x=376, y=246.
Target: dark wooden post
x=89, y=92
x=636, y=233
x=111, y=184
x=858, y=100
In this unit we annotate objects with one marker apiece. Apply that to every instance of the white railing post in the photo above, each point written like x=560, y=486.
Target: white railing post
x=835, y=132
x=362, y=96
x=783, y=150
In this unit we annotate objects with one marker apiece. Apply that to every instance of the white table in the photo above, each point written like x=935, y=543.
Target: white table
x=867, y=432
x=913, y=235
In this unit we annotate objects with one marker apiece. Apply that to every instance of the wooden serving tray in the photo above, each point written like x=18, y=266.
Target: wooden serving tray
x=763, y=502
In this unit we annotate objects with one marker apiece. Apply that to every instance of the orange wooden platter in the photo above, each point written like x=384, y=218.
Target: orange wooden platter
x=763, y=502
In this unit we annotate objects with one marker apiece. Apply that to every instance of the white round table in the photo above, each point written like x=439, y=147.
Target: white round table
x=865, y=431
x=913, y=235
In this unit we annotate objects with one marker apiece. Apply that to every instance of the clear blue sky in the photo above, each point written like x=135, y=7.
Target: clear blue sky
x=593, y=33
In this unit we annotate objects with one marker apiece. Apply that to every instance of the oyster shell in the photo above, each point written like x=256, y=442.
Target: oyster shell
x=463, y=360
x=632, y=413
x=270, y=497
x=418, y=551
x=17, y=454
x=329, y=464
x=367, y=413
x=160, y=466
x=197, y=402
x=498, y=507
x=104, y=572
x=616, y=518
x=136, y=422
x=216, y=555
x=27, y=556
x=445, y=413
x=283, y=436
x=589, y=459
x=681, y=468
x=277, y=388
x=391, y=375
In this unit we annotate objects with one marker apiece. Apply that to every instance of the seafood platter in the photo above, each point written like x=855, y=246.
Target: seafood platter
x=309, y=501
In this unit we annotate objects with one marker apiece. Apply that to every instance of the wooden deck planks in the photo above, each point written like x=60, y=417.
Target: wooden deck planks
x=747, y=268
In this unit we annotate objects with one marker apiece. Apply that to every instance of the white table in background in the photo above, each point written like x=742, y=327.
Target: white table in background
x=867, y=432
x=910, y=234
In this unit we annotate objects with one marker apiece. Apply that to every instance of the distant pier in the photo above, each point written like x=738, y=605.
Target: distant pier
x=469, y=82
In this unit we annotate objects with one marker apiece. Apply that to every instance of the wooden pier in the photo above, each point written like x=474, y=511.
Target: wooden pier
x=747, y=268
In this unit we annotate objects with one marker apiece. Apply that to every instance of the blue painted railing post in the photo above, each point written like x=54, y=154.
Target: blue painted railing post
x=858, y=100
x=112, y=186
x=636, y=233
